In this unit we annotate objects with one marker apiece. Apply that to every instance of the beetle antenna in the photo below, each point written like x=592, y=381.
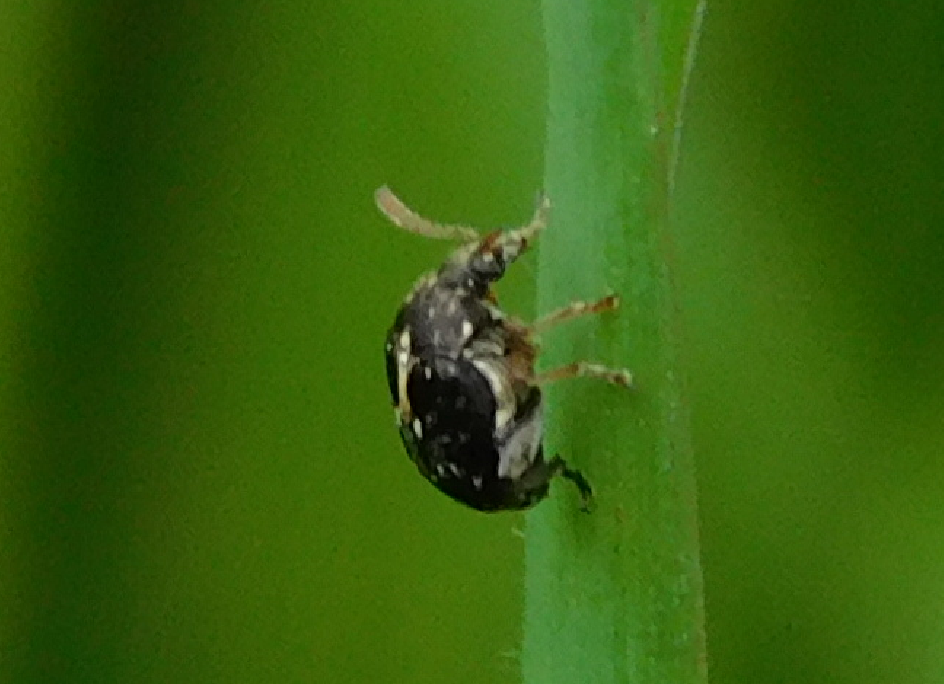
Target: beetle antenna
x=401, y=215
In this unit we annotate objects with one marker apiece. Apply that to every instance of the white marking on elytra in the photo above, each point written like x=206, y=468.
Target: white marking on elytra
x=418, y=428
x=477, y=481
x=403, y=370
x=503, y=415
x=455, y=470
x=467, y=329
x=504, y=395
x=520, y=451
x=428, y=372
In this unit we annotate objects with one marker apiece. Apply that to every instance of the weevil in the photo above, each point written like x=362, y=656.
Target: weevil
x=461, y=371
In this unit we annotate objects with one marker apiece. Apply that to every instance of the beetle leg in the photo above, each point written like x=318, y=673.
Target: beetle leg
x=575, y=310
x=575, y=476
x=539, y=474
x=585, y=369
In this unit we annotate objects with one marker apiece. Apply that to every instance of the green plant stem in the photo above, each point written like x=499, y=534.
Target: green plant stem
x=615, y=596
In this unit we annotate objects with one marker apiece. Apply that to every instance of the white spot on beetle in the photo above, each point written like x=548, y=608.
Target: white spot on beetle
x=519, y=451
x=500, y=384
x=418, y=428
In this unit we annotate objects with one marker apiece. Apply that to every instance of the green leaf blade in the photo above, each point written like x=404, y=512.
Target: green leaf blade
x=615, y=596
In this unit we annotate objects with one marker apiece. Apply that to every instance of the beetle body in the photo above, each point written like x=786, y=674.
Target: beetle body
x=461, y=372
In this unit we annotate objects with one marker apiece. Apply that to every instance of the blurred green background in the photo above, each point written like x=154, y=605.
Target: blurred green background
x=200, y=476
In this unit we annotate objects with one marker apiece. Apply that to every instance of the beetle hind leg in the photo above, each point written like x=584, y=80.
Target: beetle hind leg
x=537, y=477
x=575, y=476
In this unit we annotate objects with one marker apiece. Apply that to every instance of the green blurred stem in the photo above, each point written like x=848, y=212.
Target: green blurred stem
x=615, y=596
